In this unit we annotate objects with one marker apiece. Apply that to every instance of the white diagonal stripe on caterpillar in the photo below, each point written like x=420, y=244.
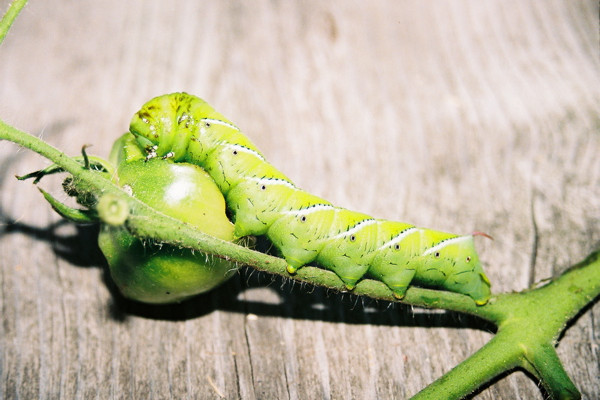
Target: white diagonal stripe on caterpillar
x=311, y=209
x=399, y=237
x=445, y=243
x=273, y=181
x=219, y=122
x=243, y=149
x=362, y=224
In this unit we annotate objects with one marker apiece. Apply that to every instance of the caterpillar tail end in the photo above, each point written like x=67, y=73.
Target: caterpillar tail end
x=483, y=234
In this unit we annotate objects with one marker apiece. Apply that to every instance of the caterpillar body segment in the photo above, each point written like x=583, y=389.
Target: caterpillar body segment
x=305, y=228
x=258, y=202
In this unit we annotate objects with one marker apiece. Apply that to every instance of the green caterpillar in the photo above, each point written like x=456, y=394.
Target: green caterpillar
x=304, y=227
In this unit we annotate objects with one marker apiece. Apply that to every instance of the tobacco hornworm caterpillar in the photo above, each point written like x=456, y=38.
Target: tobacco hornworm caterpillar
x=304, y=227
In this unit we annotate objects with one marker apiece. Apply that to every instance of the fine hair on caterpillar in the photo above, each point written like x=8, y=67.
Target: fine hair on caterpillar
x=303, y=227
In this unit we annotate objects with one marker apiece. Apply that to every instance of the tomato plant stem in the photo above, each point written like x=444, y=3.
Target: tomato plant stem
x=11, y=14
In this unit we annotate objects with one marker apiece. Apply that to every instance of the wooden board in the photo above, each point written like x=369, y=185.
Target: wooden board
x=457, y=115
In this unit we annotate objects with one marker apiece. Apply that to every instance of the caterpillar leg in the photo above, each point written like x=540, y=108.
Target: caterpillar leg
x=347, y=270
x=291, y=269
x=293, y=266
x=297, y=257
x=398, y=283
x=350, y=276
x=299, y=241
x=349, y=273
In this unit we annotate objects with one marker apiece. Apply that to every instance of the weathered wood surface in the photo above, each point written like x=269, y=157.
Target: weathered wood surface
x=457, y=115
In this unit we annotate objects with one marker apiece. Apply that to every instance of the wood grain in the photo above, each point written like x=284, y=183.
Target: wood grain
x=457, y=115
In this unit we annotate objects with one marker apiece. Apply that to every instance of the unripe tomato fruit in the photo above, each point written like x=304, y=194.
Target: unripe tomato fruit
x=160, y=273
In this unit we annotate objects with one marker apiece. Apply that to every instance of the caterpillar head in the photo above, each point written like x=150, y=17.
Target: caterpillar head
x=167, y=125
x=155, y=126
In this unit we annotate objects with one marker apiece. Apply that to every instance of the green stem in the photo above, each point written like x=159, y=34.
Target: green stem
x=483, y=366
x=548, y=369
x=529, y=324
x=11, y=14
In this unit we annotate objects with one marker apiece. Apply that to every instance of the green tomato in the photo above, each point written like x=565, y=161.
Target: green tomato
x=162, y=273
